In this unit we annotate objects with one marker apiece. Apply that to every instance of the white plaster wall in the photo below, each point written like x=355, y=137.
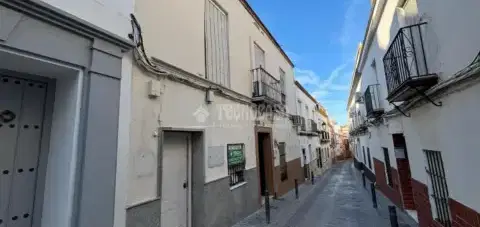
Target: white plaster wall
x=176, y=108
x=450, y=34
x=173, y=32
x=451, y=129
x=178, y=39
x=110, y=15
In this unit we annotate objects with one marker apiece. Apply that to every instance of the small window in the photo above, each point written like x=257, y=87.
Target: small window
x=236, y=163
x=369, y=158
x=388, y=168
x=438, y=186
x=319, y=157
x=364, y=156
x=283, y=161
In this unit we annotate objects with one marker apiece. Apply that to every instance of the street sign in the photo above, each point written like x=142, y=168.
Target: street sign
x=235, y=154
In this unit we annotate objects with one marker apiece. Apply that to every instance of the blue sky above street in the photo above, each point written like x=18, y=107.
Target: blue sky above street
x=321, y=38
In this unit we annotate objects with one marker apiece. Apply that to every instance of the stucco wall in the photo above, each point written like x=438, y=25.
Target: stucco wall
x=179, y=40
x=178, y=110
x=111, y=15
x=450, y=129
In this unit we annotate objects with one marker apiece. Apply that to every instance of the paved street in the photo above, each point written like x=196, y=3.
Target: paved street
x=337, y=199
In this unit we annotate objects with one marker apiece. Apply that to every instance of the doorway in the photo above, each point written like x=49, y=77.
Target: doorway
x=176, y=170
x=265, y=162
x=404, y=172
x=305, y=164
x=22, y=111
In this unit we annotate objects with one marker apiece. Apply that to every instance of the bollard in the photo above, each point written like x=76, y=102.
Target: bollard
x=296, y=188
x=313, y=178
x=393, y=216
x=374, y=195
x=267, y=206
x=363, y=179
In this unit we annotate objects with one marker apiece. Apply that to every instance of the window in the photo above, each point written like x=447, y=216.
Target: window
x=236, y=163
x=438, y=185
x=364, y=157
x=283, y=161
x=369, y=158
x=282, y=85
x=388, y=168
x=319, y=159
x=217, y=50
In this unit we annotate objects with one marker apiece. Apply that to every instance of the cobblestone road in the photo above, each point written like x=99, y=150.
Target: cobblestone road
x=337, y=199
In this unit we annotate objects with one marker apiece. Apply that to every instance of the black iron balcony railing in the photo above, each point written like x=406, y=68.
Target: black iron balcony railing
x=405, y=63
x=373, y=104
x=324, y=136
x=266, y=88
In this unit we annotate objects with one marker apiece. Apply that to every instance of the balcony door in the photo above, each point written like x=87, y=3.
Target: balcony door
x=259, y=57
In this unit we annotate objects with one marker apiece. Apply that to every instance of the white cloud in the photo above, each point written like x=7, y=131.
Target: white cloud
x=293, y=56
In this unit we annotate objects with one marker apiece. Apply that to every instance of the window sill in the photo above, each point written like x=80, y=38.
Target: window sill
x=237, y=186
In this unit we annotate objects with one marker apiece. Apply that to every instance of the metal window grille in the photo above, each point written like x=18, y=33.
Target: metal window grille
x=369, y=158
x=388, y=168
x=236, y=173
x=438, y=181
x=283, y=162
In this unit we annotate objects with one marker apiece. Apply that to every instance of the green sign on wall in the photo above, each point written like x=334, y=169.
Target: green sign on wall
x=235, y=154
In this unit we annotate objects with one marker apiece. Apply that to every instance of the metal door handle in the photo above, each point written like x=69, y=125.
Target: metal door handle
x=185, y=185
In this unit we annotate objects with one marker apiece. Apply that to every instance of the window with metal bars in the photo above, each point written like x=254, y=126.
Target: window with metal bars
x=283, y=161
x=438, y=187
x=388, y=168
x=236, y=163
x=319, y=157
x=369, y=158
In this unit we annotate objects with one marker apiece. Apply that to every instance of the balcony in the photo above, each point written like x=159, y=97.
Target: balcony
x=405, y=63
x=266, y=88
x=373, y=104
x=324, y=136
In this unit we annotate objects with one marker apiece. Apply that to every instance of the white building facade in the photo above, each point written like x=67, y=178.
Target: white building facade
x=65, y=74
x=417, y=82
x=313, y=133
x=212, y=96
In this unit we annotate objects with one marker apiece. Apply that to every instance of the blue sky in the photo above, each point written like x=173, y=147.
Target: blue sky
x=321, y=38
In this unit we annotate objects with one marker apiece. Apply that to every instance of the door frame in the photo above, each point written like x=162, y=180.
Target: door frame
x=269, y=175
x=195, y=144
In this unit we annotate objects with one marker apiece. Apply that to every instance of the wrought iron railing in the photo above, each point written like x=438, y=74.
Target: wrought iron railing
x=372, y=100
x=265, y=85
x=405, y=58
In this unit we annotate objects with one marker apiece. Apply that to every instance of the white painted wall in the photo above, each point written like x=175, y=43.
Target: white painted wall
x=451, y=129
x=110, y=15
x=178, y=40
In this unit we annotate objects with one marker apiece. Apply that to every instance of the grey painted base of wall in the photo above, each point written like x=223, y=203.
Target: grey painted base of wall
x=221, y=206
x=224, y=207
x=145, y=215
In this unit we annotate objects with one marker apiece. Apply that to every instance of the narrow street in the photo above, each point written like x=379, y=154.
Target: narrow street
x=337, y=199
